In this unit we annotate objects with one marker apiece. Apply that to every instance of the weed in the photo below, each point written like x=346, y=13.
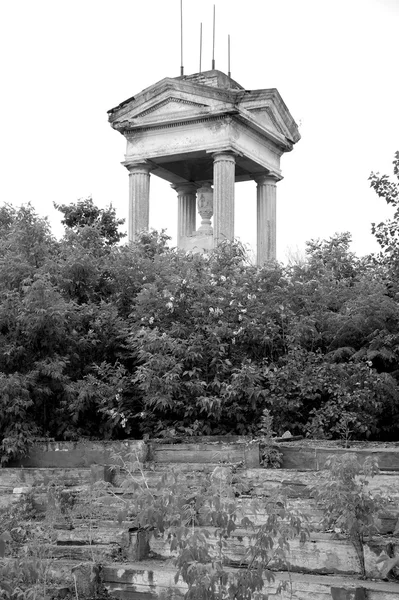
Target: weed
x=270, y=458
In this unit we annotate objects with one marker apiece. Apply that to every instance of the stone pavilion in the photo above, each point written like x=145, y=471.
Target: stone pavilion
x=204, y=133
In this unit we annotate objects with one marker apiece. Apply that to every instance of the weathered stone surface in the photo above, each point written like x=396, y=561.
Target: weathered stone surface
x=139, y=196
x=20, y=491
x=312, y=514
x=208, y=453
x=321, y=554
x=88, y=579
x=314, y=459
x=92, y=535
x=266, y=219
x=128, y=581
x=92, y=553
x=81, y=454
x=98, y=536
x=11, y=478
x=186, y=210
x=182, y=119
x=223, y=196
x=299, y=484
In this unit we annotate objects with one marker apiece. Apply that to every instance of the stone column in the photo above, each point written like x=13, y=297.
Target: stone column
x=266, y=218
x=186, y=209
x=223, y=196
x=139, y=198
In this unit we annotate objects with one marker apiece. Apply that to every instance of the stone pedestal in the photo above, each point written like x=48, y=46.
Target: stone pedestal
x=205, y=208
x=202, y=239
x=186, y=210
x=139, y=198
x=223, y=196
x=266, y=219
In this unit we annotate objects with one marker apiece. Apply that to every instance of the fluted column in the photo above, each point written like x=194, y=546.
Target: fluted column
x=186, y=209
x=139, y=198
x=266, y=219
x=223, y=196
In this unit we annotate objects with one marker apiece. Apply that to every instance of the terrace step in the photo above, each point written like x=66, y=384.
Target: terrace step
x=17, y=477
x=243, y=452
x=91, y=530
x=321, y=554
x=305, y=458
x=141, y=580
x=85, y=552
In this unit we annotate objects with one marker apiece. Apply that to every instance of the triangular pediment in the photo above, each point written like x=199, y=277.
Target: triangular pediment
x=264, y=116
x=170, y=100
x=168, y=107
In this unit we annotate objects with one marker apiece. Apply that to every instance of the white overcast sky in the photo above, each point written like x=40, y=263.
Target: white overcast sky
x=335, y=63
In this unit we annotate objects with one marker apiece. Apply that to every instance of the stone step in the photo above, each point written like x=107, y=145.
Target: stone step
x=93, y=502
x=299, y=455
x=82, y=454
x=96, y=553
x=65, y=577
x=388, y=521
x=323, y=553
x=107, y=533
x=141, y=580
x=256, y=511
x=243, y=453
x=313, y=458
x=259, y=481
x=11, y=478
x=264, y=482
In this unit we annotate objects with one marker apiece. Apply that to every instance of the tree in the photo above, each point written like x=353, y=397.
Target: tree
x=110, y=340
x=387, y=232
x=349, y=506
x=84, y=213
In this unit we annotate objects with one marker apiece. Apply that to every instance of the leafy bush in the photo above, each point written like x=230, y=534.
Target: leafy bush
x=105, y=340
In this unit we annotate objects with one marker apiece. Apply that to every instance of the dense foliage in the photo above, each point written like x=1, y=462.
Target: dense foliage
x=105, y=340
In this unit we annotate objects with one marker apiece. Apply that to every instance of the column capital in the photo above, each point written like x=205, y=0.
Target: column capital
x=183, y=188
x=137, y=167
x=267, y=178
x=224, y=155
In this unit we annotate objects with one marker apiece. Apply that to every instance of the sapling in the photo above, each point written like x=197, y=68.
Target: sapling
x=270, y=455
x=198, y=516
x=349, y=506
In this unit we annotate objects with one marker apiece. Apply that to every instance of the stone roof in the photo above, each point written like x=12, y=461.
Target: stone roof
x=213, y=78
x=207, y=94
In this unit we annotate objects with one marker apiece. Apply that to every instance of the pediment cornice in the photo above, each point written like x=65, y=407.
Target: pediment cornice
x=170, y=100
x=176, y=101
x=168, y=87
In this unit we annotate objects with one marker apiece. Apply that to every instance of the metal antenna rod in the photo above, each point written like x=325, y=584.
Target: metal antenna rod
x=181, y=39
x=200, y=70
x=213, y=48
x=228, y=54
